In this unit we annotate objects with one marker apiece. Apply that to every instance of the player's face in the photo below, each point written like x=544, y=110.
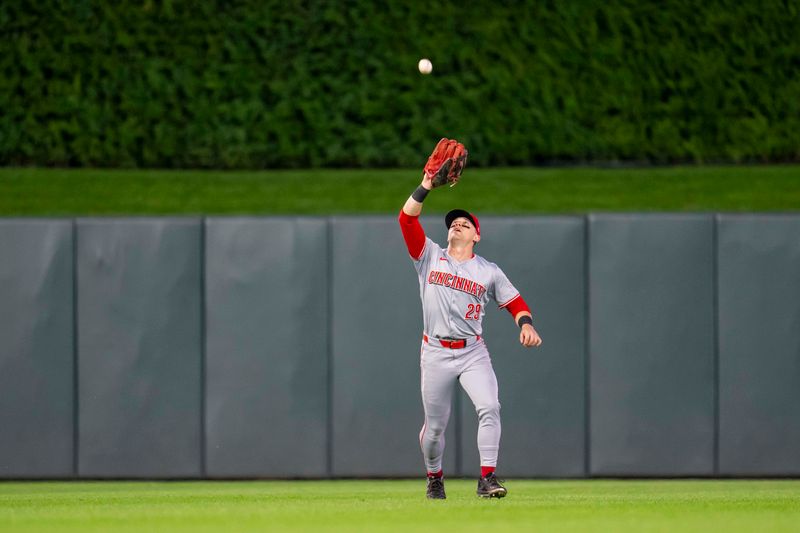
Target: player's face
x=462, y=230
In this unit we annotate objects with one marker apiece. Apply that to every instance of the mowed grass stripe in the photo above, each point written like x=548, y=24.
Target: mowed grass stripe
x=399, y=505
x=67, y=192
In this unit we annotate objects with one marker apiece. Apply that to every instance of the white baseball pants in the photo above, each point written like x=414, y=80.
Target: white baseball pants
x=440, y=369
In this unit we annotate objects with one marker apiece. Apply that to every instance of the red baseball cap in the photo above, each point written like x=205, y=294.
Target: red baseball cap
x=457, y=213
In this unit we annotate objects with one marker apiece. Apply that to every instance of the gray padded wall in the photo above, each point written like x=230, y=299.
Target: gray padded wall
x=377, y=331
x=267, y=347
x=651, y=344
x=542, y=390
x=140, y=359
x=759, y=345
x=36, y=348
x=139, y=348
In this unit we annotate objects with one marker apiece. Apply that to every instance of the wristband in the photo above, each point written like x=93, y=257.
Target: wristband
x=524, y=319
x=420, y=194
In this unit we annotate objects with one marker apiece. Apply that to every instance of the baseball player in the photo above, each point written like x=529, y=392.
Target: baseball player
x=455, y=287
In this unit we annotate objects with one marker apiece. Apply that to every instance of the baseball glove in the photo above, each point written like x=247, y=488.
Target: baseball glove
x=446, y=163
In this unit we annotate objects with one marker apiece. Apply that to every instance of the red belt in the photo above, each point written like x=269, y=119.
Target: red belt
x=452, y=344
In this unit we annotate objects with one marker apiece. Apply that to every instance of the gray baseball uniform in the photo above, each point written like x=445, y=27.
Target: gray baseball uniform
x=454, y=296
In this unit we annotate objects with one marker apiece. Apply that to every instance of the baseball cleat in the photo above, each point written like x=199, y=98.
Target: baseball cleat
x=435, y=488
x=489, y=487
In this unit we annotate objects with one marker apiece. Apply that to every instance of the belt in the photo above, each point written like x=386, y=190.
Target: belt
x=453, y=344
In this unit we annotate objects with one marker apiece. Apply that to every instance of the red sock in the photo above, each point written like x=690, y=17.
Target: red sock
x=486, y=470
x=440, y=473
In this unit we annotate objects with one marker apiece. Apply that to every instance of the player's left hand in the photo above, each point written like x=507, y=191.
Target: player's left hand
x=528, y=336
x=446, y=163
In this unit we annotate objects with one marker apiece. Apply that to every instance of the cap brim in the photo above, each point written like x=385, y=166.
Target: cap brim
x=458, y=213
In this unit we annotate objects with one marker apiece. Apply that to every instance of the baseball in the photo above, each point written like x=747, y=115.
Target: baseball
x=425, y=66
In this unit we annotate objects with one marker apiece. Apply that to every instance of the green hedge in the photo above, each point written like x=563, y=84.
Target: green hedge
x=320, y=83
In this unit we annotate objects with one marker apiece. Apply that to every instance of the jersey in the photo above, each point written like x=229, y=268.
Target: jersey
x=454, y=293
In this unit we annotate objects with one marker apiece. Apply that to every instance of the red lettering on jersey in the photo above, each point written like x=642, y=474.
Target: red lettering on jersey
x=458, y=283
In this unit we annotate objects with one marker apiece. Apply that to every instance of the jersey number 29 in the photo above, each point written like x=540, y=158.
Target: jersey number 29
x=473, y=312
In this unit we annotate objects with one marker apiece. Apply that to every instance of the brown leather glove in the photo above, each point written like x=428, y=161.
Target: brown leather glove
x=446, y=163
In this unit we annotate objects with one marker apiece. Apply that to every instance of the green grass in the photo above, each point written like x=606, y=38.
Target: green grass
x=589, y=505
x=65, y=192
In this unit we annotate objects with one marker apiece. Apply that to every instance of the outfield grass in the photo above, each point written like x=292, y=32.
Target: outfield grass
x=591, y=505
x=64, y=192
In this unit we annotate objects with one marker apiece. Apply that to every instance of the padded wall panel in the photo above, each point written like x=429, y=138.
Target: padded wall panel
x=759, y=340
x=36, y=348
x=651, y=344
x=542, y=390
x=267, y=347
x=139, y=349
x=377, y=333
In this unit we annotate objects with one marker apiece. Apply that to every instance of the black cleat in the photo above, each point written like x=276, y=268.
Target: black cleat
x=436, y=488
x=490, y=487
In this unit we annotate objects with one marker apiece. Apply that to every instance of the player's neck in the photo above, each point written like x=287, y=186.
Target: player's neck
x=460, y=253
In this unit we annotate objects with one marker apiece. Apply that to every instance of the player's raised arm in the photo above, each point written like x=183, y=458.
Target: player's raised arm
x=444, y=166
x=412, y=230
x=413, y=206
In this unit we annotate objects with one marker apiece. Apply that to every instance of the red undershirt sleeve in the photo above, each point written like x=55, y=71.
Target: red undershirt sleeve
x=413, y=234
x=516, y=305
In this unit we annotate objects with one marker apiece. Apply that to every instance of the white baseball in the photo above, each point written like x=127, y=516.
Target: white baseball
x=425, y=66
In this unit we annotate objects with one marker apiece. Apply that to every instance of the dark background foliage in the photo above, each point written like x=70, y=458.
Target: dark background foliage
x=261, y=84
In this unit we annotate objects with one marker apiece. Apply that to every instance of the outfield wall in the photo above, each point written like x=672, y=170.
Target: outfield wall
x=288, y=347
